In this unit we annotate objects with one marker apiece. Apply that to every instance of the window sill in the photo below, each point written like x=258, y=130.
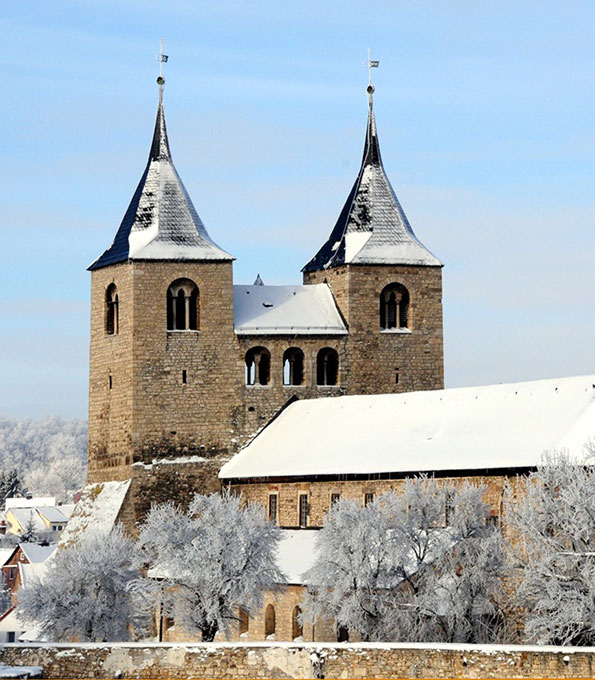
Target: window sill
x=190, y=331
x=397, y=331
x=295, y=387
x=258, y=387
x=328, y=387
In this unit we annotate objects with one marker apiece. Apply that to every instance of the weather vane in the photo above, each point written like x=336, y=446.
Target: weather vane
x=371, y=63
x=161, y=58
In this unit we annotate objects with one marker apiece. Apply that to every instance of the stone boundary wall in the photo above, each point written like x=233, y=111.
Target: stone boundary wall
x=306, y=660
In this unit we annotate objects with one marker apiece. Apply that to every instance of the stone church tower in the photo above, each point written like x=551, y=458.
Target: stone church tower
x=185, y=367
x=387, y=284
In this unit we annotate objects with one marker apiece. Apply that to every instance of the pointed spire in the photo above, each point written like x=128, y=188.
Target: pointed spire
x=372, y=227
x=161, y=222
x=258, y=281
x=160, y=144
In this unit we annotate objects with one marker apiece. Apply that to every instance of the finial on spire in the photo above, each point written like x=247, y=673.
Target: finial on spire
x=161, y=58
x=371, y=63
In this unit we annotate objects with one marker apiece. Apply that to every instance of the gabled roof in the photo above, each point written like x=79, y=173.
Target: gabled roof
x=282, y=310
x=97, y=508
x=24, y=516
x=37, y=553
x=372, y=227
x=161, y=222
x=470, y=428
x=53, y=514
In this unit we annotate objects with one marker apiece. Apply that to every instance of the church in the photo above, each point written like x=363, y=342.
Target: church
x=185, y=365
x=291, y=395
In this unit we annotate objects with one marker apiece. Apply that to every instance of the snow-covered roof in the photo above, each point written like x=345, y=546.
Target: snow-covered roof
x=34, y=502
x=33, y=572
x=161, y=222
x=469, y=428
x=52, y=514
x=36, y=554
x=98, y=508
x=6, y=554
x=372, y=227
x=269, y=310
x=295, y=554
x=24, y=516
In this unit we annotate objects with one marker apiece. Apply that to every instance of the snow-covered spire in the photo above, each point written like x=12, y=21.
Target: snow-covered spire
x=161, y=222
x=372, y=227
x=258, y=281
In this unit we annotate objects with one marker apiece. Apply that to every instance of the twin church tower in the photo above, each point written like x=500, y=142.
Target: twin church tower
x=185, y=366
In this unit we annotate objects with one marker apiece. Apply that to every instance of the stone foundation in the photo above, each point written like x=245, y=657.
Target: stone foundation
x=292, y=660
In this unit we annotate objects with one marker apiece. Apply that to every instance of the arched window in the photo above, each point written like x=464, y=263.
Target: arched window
x=258, y=366
x=269, y=620
x=293, y=366
x=394, y=307
x=112, y=315
x=297, y=630
x=342, y=634
x=327, y=367
x=244, y=620
x=183, y=306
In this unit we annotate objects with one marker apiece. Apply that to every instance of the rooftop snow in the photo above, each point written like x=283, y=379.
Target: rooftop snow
x=372, y=227
x=36, y=501
x=53, y=514
x=97, y=508
x=161, y=222
x=36, y=554
x=266, y=310
x=497, y=426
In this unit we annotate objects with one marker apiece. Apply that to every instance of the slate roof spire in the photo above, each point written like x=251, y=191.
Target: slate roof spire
x=372, y=227
x=161, y=223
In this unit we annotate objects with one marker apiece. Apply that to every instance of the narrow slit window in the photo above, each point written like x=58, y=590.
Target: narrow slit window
x=273, y=507
x=368, y=498
x=303, y=510
x=184, y=377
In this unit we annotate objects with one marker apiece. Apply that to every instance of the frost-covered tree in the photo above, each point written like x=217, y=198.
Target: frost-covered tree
x=554, y=521
x=11, y=486
x=30, y=534
x=208, y=562
x=405, y=567
x=49, y=454
x=5, y=600
x=85, y=593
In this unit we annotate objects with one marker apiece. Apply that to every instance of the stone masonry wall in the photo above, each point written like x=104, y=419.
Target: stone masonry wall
x=374, y=357
x=301, y=660
x=319, y=494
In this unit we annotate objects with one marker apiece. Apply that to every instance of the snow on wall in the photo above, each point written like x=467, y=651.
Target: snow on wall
x=265, y=310
x=97, y=508
x=497, y=426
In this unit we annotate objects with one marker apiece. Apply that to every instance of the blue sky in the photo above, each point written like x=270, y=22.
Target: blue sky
x=485, y=114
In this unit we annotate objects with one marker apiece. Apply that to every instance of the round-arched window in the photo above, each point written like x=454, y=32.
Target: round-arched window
x=183, y=306
x=394, y=307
